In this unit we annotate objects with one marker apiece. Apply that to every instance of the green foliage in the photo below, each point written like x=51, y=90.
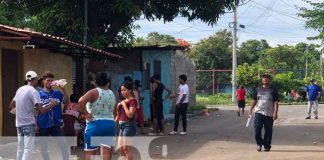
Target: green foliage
x=315, y=17
x=113, y=19
x=286, y=81
x=156, y=39
x=197, y=107
x=251, y=51
x=219, y=98
x=213, y=53
x=249, y=75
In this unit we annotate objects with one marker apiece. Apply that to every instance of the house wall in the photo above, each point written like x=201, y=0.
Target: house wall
x=129, y=65
x=182, y=64
x=165, y=57
x=38, y=60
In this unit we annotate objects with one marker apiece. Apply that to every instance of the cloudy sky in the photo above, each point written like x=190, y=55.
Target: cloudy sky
x=273, y=20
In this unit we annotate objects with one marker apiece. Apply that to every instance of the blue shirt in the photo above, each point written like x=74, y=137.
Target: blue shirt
x=54, y=116
x=312, y=91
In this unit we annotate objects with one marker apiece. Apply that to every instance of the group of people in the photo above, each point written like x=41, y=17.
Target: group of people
x=265, y=103
x=104, y=113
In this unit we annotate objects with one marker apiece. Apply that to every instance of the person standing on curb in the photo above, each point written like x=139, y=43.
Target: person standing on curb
x=181, y=106
x=51, y=122
x=25, y=101
x=265, y=105
x=313, y=95
x=240, y=94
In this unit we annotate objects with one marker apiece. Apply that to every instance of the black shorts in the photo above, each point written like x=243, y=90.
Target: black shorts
x=241, y=104
x=157, y=109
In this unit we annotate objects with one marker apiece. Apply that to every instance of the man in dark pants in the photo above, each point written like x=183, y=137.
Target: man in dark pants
x=181, y=106
x=265, y=101
x=51, y=122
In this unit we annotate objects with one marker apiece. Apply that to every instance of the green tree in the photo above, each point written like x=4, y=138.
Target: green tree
x=251, y=50
x=154, y=38
x=249, y=75
x=213, y=52
x=112, y=18
x=315, y=18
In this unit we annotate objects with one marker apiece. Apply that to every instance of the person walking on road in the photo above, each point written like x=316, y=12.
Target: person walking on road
x=265, y=105
x=25, y=101
x=181, y=106
x=240, y=94
x=313, y=94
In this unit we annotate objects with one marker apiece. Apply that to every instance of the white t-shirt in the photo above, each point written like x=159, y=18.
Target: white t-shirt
x=183, y=90
x=26, y=98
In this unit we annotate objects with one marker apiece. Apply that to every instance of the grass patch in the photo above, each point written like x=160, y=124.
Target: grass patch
x=220, y=98
x=197, y=107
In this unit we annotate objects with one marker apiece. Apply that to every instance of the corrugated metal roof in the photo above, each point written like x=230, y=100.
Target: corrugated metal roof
x=49, y=37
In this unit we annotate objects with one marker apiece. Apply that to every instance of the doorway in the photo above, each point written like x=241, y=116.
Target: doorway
x=9, y=62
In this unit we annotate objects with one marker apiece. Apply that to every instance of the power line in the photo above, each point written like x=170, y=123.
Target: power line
x=280, y=12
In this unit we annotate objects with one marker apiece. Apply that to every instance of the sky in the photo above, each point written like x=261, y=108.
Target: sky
x=273, y=20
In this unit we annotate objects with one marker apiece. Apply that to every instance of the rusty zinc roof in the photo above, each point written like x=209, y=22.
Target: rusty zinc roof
x=27, y=34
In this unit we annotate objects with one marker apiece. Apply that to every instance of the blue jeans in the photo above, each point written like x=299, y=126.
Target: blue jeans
x=261, y=121
x=127, y=129
x=58, y=134
x=26, y=137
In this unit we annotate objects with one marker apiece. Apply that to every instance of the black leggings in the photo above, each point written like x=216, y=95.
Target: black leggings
x=181, y=110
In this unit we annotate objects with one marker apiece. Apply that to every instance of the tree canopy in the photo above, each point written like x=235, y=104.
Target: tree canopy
x=154, y=38
x=109, y=21
x=315, y=18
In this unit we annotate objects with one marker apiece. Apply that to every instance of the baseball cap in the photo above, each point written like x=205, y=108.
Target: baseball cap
x=313, y=80
x=30, y=75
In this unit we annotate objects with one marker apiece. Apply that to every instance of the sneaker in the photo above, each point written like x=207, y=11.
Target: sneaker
x=152, y=134
x=161, y=134
x=308, y=117
x=183, y=133
x=316, y=117
x=173, y=132
x=267, y=149
x=259, y=148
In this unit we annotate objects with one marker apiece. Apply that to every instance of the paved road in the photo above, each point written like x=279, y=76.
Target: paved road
x=223, y=136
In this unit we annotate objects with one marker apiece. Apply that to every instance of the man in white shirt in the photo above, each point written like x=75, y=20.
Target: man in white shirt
x=25, y=101
x=181, y=106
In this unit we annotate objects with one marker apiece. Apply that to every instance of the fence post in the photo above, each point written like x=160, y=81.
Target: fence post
x=213, y=83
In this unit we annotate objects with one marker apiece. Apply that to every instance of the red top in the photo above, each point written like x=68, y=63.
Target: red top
x=241, y=94
x=122, y=115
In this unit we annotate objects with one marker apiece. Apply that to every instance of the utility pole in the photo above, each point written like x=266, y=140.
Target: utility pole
x=321, y=63
x=306, y=64
x=85, y=39
x=234, y=80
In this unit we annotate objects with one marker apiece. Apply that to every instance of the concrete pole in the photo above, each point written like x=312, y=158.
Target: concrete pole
x=234, y=54
x=321, y=63
x=85, y=38
x=306, y=64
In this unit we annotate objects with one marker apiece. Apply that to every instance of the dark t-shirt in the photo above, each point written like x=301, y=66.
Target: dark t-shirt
x=158, y=92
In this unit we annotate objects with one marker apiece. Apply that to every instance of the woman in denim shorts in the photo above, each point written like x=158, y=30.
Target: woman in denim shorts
x=127, y=120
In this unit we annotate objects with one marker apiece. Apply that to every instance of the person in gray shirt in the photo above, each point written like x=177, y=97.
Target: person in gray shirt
x=26, y=100
x=265, y=105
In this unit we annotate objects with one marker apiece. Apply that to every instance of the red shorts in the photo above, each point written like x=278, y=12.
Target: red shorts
x=140, y=115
